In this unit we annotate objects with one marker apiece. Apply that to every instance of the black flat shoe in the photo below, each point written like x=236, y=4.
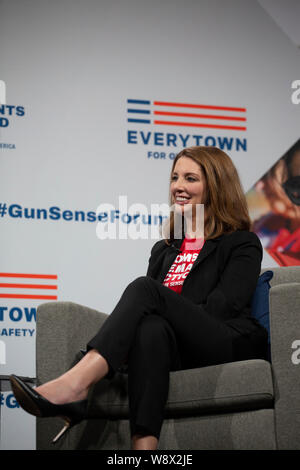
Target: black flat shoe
x=34, y=403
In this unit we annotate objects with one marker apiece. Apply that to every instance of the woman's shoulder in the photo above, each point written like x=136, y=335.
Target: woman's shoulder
x=157, y=252
x=242, y=237
x=159, y=246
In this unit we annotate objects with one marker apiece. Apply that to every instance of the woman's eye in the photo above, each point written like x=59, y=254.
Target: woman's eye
x=188, y=178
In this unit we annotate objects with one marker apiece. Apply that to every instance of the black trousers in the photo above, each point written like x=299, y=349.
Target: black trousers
x=155, y=330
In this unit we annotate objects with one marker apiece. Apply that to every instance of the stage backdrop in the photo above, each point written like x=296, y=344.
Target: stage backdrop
x=96, y=99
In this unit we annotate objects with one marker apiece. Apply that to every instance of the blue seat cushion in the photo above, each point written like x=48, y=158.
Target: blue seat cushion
x=260, y=302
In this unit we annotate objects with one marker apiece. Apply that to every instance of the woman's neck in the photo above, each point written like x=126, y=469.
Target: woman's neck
x=194, y=231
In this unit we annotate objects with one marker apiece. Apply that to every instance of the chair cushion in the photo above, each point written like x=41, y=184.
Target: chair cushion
x=235, y=386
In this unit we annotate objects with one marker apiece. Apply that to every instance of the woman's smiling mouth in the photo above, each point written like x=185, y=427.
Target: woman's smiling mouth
x=181, y=199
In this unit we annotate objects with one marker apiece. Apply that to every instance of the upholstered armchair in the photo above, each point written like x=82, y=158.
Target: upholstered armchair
x=252, y=404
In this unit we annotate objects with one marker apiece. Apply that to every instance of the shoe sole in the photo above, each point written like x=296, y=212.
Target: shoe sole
x=23, y=399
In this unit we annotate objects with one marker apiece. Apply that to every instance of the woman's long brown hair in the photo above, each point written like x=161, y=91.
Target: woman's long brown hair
x=225, y=207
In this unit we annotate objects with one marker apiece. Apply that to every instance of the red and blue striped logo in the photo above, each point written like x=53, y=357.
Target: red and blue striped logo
x=165, y=113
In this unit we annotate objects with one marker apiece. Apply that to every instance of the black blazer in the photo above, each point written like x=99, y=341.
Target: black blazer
x=222, y=279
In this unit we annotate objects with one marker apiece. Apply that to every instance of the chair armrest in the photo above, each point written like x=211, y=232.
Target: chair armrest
x=285, y=329
x=62, y=329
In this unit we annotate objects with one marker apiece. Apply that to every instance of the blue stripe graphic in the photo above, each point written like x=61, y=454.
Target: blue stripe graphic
x=144, y=121
x=139, y=101
x=141, y=111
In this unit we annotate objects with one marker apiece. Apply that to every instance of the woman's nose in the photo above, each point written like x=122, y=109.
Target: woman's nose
x=179, y=185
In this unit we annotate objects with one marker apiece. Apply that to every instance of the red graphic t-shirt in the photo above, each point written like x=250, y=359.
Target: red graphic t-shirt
x=183, y=263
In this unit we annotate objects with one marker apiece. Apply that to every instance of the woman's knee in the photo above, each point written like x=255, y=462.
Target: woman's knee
x=141, y=282
x=145, y=288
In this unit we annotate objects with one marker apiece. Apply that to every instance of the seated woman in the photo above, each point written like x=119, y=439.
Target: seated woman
x=193, y=309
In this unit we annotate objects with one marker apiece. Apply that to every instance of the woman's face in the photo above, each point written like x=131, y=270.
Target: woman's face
x=188, y=185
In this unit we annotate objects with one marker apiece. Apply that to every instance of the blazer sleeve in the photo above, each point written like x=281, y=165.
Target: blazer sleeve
x=233, y=293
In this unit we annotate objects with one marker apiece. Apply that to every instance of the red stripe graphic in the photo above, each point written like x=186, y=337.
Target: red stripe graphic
x=207, y=125
x=14, y=285
x=36, y=276
x=29, y=286
x=202, y=106
x=24, y=296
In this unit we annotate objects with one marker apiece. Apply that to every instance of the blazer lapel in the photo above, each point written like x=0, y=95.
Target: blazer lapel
x=173, y=250
x=208, y=247
x=170, y=256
